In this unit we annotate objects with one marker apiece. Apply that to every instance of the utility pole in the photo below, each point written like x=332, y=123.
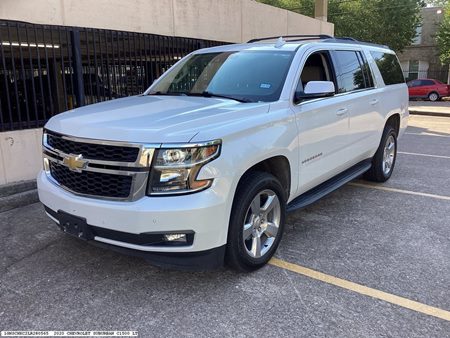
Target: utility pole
x=321, y=10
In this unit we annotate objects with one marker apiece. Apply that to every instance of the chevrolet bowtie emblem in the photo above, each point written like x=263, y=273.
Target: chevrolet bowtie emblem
x=75, y=162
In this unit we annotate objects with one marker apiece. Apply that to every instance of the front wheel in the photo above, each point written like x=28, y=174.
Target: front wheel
x=256, y=222
x=383, y=161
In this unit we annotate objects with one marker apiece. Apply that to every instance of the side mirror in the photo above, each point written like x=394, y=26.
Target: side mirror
x=316, y=89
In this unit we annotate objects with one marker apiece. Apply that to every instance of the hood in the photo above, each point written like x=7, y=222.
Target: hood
x=153, y=119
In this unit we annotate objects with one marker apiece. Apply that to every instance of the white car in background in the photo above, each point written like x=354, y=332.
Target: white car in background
x=201, y=168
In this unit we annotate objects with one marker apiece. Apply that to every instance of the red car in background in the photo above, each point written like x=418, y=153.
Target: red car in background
x=427, y=89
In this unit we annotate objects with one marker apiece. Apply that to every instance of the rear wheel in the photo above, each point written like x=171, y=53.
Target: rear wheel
x=256, y=222
x=383, y=161
x=433, y=96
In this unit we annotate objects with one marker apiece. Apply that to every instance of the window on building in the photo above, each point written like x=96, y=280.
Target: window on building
x=389, y=67
x=413, y=71
x=418, y=38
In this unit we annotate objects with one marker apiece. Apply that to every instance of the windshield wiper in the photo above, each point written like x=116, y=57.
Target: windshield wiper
x=166, y=93
x=209, y=94
x=204, y=94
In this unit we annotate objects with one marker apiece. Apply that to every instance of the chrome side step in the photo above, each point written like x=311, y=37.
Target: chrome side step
x=332, y=184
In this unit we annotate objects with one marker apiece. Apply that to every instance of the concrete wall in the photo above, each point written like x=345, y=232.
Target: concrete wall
x=223, y=20
x=20, y=155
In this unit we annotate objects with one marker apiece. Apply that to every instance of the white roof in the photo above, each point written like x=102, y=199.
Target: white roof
x=288, y=46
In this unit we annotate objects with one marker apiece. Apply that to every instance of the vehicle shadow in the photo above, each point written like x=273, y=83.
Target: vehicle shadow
x=422, y=130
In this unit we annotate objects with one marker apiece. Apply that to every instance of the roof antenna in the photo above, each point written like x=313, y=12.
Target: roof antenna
x=280, y=42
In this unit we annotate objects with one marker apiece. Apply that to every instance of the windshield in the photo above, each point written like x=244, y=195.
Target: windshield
x=247, y=76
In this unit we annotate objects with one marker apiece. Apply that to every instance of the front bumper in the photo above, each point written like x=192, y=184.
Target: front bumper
x=200, y=260
x=205, y=213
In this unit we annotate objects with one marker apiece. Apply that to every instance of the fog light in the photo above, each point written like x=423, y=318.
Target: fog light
x=175, y=238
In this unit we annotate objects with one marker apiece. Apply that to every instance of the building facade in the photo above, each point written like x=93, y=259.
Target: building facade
x=421, y=59
x=56, y=55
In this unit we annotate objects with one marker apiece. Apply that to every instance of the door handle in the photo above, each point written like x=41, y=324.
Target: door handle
x=374, y=102
x=342, y=111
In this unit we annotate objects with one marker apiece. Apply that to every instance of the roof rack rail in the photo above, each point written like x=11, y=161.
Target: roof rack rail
x=324, y=37
x=298, y=37
x=346, y=39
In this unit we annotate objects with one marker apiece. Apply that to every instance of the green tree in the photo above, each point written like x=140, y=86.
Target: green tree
x=437, y=3
x=387, y=22
x=443, y=37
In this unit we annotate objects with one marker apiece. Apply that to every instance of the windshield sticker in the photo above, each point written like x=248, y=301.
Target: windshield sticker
x=265, y=85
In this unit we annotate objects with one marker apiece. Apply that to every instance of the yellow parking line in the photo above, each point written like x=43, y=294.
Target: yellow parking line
x=426, y=155
x=427, y=134
x=409, y=192
x=363, y=290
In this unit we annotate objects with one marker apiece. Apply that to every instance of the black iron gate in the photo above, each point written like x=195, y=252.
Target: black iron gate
x=45, y=70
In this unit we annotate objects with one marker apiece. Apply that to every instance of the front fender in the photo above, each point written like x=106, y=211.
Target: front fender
x=268, y=135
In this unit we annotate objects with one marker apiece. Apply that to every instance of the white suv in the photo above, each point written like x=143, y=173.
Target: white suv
x=201, y=168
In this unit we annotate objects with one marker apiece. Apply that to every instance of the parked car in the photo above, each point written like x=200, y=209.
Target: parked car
x=203, y=166
x=430, y=89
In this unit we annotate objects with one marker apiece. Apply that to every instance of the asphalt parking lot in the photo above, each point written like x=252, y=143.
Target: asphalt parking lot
x=361, y=246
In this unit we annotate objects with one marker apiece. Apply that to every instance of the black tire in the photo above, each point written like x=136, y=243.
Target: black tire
x=433, y=97
x=252, y=185
x=377, y=173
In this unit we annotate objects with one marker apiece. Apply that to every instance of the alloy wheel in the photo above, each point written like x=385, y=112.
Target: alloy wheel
x=433, y=97
x=389, y=155
x=261, y=223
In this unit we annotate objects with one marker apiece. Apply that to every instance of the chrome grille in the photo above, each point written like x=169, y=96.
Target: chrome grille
x=92, y=183
x=111, y=169
x=91, y=150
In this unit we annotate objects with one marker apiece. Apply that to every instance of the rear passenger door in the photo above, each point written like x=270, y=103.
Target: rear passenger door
x=428, y=86
x=356, y=83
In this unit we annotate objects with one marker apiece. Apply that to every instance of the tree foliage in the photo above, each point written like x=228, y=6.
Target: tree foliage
x=443, y=37
x=437, y=3
x=387, y=22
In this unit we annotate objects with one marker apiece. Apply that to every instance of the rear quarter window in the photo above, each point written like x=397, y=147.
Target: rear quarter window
x=389, y=68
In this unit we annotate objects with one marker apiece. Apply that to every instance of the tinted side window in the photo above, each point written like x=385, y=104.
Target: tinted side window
x=389, y=68
x=367, y=72
x=349, y=73
x=427, y=83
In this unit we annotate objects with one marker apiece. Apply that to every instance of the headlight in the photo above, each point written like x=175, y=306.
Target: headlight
x=175, y=170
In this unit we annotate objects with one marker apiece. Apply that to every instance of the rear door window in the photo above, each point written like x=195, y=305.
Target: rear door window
x=389, y=67
x=366, y=70
x=427, y=83
x=350, y=74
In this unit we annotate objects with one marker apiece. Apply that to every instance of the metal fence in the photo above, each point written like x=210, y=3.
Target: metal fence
x=437, y=75
x=45, y=70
